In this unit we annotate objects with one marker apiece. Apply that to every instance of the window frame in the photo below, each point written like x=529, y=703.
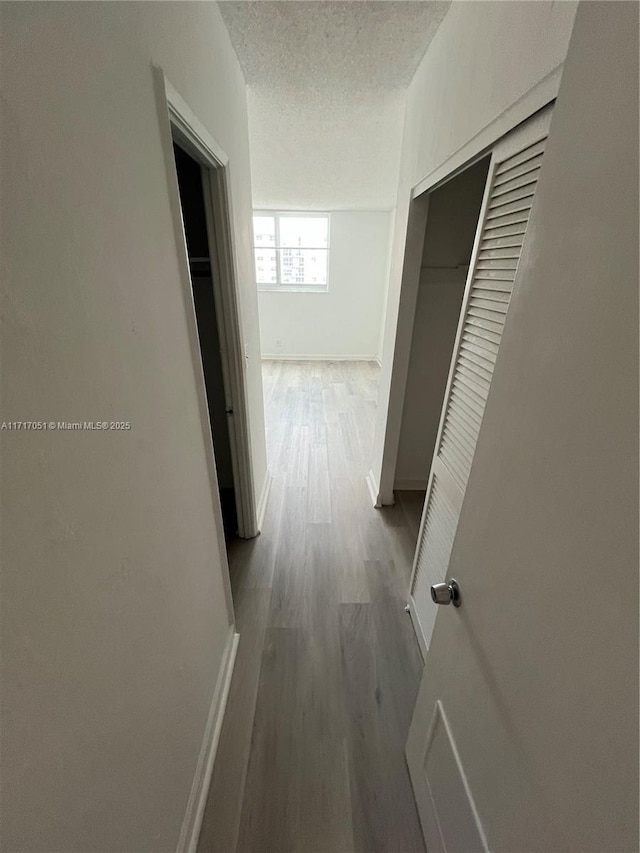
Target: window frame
x=299, y=287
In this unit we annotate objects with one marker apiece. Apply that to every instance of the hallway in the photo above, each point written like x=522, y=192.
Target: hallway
x=311, y=754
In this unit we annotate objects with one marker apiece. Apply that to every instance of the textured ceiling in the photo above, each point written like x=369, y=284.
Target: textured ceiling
x=331, y=45
x=326, y=95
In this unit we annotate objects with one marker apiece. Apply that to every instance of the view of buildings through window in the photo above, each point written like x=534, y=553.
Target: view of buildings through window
x=291, y=249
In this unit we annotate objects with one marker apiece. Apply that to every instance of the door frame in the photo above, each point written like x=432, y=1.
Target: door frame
x=178, y=123
x=536, y=126
x=411, y=605
x=381, y=477
x=416, y=232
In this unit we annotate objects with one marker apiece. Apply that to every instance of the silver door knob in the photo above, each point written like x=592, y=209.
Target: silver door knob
x=446, y=593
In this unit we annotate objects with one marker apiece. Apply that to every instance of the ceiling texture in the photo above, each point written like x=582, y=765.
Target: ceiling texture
x=326, y=85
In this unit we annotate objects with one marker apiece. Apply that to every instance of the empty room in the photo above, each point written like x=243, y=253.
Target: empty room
x=319, y=426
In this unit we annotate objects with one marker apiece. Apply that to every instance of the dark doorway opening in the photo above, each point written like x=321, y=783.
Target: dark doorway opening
x=190, y=183
x=452, y=222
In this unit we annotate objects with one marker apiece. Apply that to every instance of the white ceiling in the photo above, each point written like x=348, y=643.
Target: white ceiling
x=326, y=84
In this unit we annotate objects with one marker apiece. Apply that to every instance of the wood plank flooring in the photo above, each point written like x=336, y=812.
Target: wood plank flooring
x=311, y=753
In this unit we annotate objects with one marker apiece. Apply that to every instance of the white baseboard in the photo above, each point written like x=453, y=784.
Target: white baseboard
x=192, y=823
x=264, y=498
x=373, y=489
x=418, y=485
x=282, y=357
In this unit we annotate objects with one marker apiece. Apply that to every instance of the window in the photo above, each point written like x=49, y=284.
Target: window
x=291, y=250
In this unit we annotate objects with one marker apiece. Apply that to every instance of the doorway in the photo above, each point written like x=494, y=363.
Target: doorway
x=452, y=219
x=202, y=267
x=452, y=216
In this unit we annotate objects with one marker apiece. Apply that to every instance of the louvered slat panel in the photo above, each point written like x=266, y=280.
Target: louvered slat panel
x=458, y=443
x=489, y=299
x=468, y=412
x=479, y=358
x=471, y=435
x=518, y=194
x=522, y=157
x=494, y=317
x=474, y=337
x=488, y=305
x=497, y=255
x=496, y=265
x=474, y=406
x=495, y=329
x=507, y=253
x=478, y=394
x=475, y=378
x=500, y=269
x=511, y=181
x=483, y=287
x=481, y=326
x=515, y=173
x=506, y=241
x=520, y=206
x=460, y=466
x=495, y=275
x=461, y=435
x=514, y=230
x=458, y=463
x=479, y=351
x=520, y=217
x=474, y=363
x=433, y=555
x=492, y=294
x=464, y=427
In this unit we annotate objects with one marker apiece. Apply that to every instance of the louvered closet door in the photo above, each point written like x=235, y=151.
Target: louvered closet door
x=502, y=227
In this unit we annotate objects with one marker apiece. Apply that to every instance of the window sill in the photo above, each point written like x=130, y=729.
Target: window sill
x=293, y=288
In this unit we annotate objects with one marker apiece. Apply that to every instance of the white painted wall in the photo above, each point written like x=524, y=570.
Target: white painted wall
x=114, y=613
x=498, y=52
x=343, y=322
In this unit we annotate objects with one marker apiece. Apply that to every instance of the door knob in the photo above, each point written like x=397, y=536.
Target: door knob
x=446, y=593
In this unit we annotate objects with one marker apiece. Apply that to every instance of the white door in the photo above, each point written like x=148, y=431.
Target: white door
x=525, y=731
x=440, y=785
x=511, y=184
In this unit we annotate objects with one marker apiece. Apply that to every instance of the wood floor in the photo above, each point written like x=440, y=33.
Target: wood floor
x=311, y=754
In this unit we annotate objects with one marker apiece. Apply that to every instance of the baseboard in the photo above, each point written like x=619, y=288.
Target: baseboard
x=282, y=357
x=373, y=489
x=264, y=498
x=419, y=485
x=190, y=832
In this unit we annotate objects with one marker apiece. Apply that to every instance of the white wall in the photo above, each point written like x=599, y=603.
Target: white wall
x=502, y=50
x=114, y=620
x=345, y=320
x=484, y=58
